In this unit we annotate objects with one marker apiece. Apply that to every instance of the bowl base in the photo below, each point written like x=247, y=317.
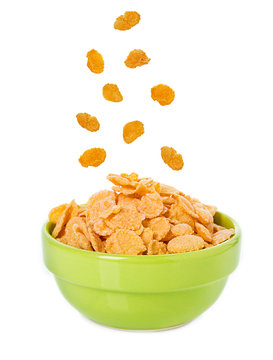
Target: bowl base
x=141, y=311
x=139, y=330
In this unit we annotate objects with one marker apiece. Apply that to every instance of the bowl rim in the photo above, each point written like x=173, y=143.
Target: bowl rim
x=93, y=254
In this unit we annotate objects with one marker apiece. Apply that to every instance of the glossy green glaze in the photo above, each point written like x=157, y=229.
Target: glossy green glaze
x=142, y=292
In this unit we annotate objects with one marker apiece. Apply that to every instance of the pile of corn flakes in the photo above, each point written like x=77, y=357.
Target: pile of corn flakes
x=138, y=216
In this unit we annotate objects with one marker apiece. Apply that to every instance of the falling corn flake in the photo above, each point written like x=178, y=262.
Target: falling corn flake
x=172, y=158
x=127, y=21
x=132, y=130
x=136, y=58
x=111, y=93
x=95, y=61
x=88, y=122
x=162, y=94
x=93, y=157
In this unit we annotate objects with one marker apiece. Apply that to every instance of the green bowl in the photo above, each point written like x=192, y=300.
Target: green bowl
x=142, y=292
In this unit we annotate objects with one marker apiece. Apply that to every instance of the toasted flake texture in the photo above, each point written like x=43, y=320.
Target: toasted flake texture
x=222, y=235
x=147, y=236
x=207, y=245
x=93, y=157
x=111, y=93
x=56, y=212
x=70, y=211
x=99, y=203
x=178, y=215
x=169, y=236
x=82, y=211
x=127, y=21
x=216, y=227
x=127, y=218
x=131, y=177
x=132, y=130
x=118, y=180
x=203, y=214
x=125, y=242
x=163, y=94
x=166, y=190
x=185, y=205
x=95, y=61
x=167, y=200
x=100, y=228
x=172, y=158
x=160, y=227
x=96, y=241
x=128, y=201
x=185, y=243
x=203, y=232
x=182, y=229
x=111, y=211
x=82, y=240
x=212, y=209
x=151, y=205
x=125, y=190
x=76, y=234
x=136, y=58
x=157, y=248
x=88, y=122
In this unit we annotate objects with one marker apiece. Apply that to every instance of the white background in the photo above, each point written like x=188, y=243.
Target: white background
x=217, y=56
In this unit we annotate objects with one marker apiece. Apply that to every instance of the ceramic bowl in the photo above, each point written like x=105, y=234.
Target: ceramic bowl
x=142, y=292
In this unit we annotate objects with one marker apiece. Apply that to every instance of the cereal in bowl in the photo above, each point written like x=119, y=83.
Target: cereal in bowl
x=139, y=216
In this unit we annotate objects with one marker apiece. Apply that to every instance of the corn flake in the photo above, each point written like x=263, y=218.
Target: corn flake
x=111, y=93
x=128, y=201
x=70, y=211
x=203, y=214
x=136, y=58
x=182, y=229
x=160, y=227
x=132, y=130
x=172, y=158
x=88, y=122
x=127, y=21
x=125, y=242
x=96, y=241
x=185, y=243
x=95, y=61
x=56, y=212
x=157, y=248
x=127, y=218
x=162, y=94
x=151, y=205
x=93, y=157
x=99, y=203
x=222, y=235
x=147, y=235
x=203, y=232
x=100, y=228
